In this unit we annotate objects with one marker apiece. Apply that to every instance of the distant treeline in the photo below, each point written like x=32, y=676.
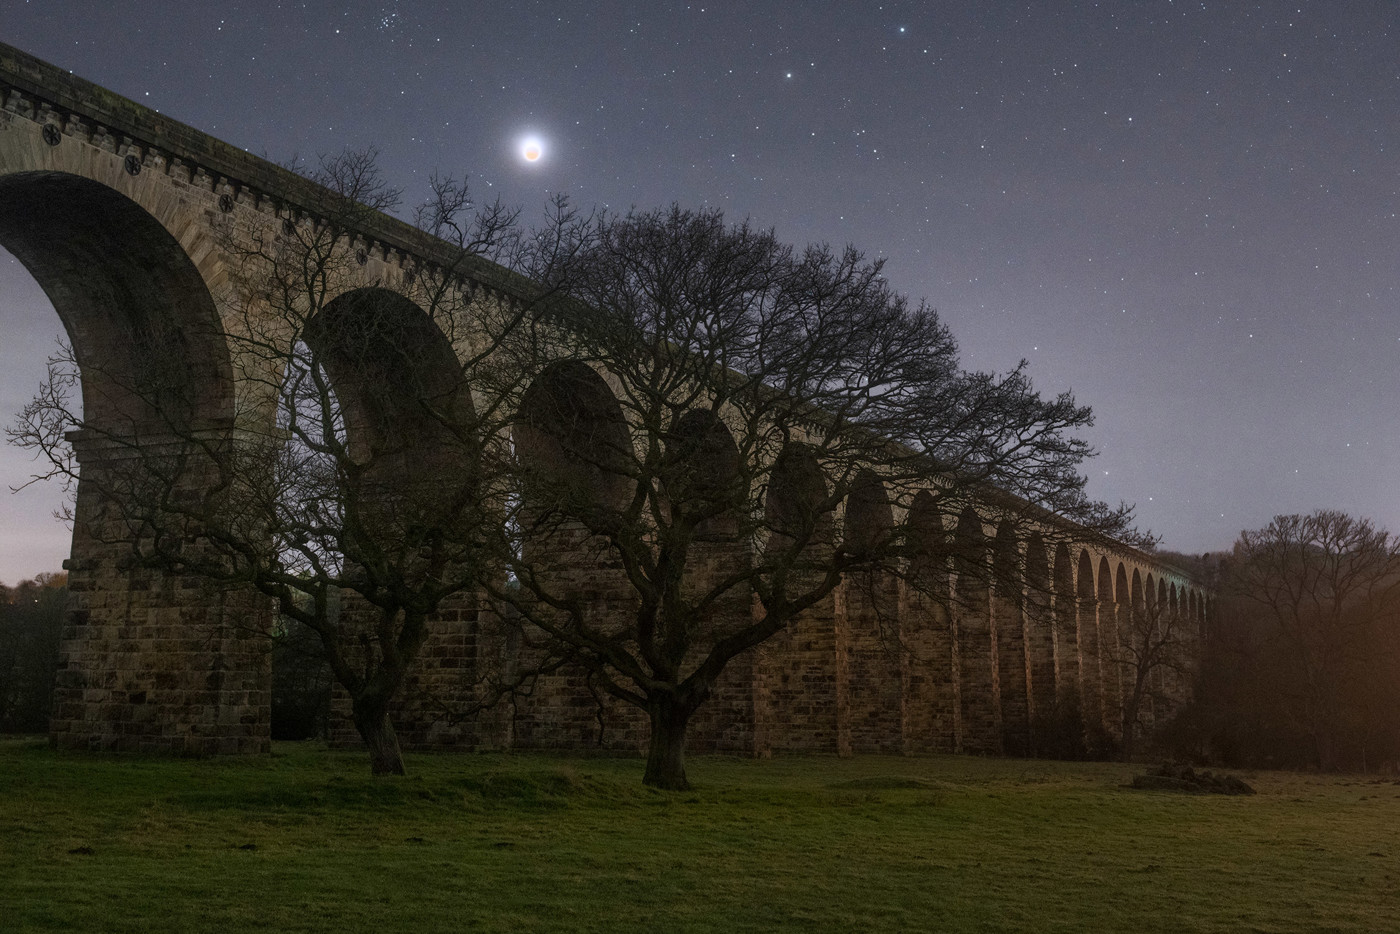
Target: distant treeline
x=31, y=624
x=1301, y=664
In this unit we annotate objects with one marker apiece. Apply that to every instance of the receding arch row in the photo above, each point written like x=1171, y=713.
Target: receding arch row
x=1008, y=633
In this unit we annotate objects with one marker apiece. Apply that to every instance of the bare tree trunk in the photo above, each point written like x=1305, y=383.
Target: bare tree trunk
x=1127, y=747
x=666, y=752
x=372, y=722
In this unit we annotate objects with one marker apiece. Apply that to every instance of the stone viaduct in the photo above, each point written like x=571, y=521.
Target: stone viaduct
x=113, y=209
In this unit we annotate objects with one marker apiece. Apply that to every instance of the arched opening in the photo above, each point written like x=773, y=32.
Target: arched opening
x=573, y=444
x=872, y=621
x=706, y=491
x=1090, y=677
x=931, y=712
x=380, y=371
x=140, y=318
x=396, y=376
x=1013, y=665
x=1107, y=629
x=384, y=440
x=797, y=511
x=32, y=541
x=155, y=375
x=574, y=450
x=1176, y=627
x=1122, y=645
x=981, y=708
x=800, y=663
x=1066, y=631
x=869, y=518
x=1040, y=635
x=706, y=487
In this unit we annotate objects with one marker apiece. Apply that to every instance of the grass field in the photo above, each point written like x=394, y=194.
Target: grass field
x=306, y=840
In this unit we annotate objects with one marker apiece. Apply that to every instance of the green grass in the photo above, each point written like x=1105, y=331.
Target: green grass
x=306, y=840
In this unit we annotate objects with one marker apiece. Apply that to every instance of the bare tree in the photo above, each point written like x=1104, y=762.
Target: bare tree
x=1160, y=645
x=361, y=483
x=700, y=420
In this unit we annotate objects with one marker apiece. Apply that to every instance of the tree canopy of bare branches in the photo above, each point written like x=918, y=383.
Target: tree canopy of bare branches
x=727, y=421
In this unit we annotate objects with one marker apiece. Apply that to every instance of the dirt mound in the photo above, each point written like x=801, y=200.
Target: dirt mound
x=1171, y=777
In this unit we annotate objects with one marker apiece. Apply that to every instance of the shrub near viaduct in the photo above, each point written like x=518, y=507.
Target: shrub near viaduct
x=116, y=210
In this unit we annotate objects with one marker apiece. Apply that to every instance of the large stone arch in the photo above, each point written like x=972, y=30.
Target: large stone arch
x=976, y=645
x=708, y=470
x=1066, y=631
x=1136, y=642
x=404, y=399
x=137, y=309
x=573, y=445
x=801, y=673
x=374, y=366
x=1013, y=664
x=1122, y=642
x=1040, y=630
x=573, y=442
x=931, y=708
x=1172, y=676
x=869, y=624
x=1110, y=689
x=796, y=511
x=150, y=661
x=1090, y=677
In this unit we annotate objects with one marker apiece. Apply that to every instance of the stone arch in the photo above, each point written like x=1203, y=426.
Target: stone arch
x=1110, y=688
x=976, y=646
x=573, y=442
x=1155, y=591
x=869, y=516
x=1009, y=619
x=706, y=493
x=1138, y=607
x=871, y=624
x=796, y=509
x=1066, y=630
x=931, y=711
x=1040, y=626
x=1122, y=635
x=706, y=480
x=801, y=665
x=1177, y=626
x=373, y=365
x=140, y=316
x=573, y=447
x=970, y=556
x=155, y=372
x=397, y=378
x=1090, y=677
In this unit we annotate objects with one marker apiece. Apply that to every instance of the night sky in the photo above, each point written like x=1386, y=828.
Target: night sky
x=1187, y=213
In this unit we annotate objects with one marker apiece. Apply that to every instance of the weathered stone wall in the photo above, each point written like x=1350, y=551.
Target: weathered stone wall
x=880, y=666
x=149, y=661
